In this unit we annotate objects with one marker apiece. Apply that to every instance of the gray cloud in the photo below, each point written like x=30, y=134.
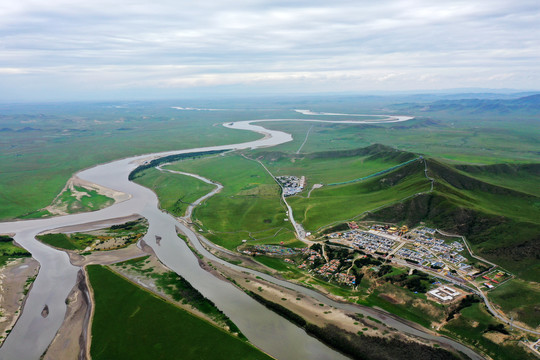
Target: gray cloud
x=99, y=47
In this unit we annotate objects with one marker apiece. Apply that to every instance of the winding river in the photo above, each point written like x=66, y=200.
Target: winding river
x=273, y=334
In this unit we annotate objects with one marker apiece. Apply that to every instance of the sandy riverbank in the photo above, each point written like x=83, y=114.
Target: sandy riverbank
x=59, y=208
x=72, y=341
x=307, y=307
x=13, y=287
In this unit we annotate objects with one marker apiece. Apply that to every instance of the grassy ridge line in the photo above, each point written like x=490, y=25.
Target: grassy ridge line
x=382, y=172
x=351, y=201
x=132, y=323
x=521, y=177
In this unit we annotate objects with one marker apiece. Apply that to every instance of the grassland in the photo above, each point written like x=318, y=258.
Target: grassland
x=131, y=323
x=519, y=299
x=179, y=290
x=473, y=139
x=37, y=160
x=249, y=206
x=340, y=203
x=472, y=327
x=88, y=200
x=43, y=138
x=72, y=200
x=9, y=251
x=520, y=177
x=175, y=191
x=333, y=166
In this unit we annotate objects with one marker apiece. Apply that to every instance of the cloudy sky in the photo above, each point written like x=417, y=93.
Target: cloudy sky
x=73, y=49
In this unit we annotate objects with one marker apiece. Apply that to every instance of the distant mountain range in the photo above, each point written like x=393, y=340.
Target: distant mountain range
x=528, y=104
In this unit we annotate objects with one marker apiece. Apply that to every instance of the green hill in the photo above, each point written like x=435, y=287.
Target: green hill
x=521, y=177
x=502, y=224
x=497, y=207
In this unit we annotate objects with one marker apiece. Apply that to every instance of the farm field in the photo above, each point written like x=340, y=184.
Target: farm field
x=125, y=313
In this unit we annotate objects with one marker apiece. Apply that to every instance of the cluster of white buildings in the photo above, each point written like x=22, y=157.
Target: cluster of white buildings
x=444, y=294
x=291, y=185
x=371, y=242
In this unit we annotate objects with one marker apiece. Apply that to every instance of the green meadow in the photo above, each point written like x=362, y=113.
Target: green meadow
x=332, y=204
x=519, y=299
x=249, y=206
x=46, y=145
x=131, y=323
x=128, y=233
x=175, y=191
x=333, y=166
x=462, y=139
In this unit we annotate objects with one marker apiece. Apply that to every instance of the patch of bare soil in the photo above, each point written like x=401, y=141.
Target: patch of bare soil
x=496, y=337
x=71, y=340
x=108, y=257
x=427, y=308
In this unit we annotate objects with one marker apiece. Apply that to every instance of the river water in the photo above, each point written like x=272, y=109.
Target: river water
x=266, y=330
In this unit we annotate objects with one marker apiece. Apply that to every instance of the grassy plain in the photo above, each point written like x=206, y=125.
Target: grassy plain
x=179, y=290
x=332, y=167
x=131, y=323
x=462, y=139
x=175, y=191
x=37, y=153
x=249, y=206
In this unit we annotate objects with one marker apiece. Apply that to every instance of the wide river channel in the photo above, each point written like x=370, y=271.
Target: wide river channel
x=270, y=332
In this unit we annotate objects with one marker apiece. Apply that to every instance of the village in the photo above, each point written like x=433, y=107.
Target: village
x=291, y=185
x=446, y=261
x=421, y=247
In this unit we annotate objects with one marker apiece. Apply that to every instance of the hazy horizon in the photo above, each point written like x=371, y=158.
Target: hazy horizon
x=73, y=50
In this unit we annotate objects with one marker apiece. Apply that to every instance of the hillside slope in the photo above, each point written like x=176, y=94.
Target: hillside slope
x=502, y=224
